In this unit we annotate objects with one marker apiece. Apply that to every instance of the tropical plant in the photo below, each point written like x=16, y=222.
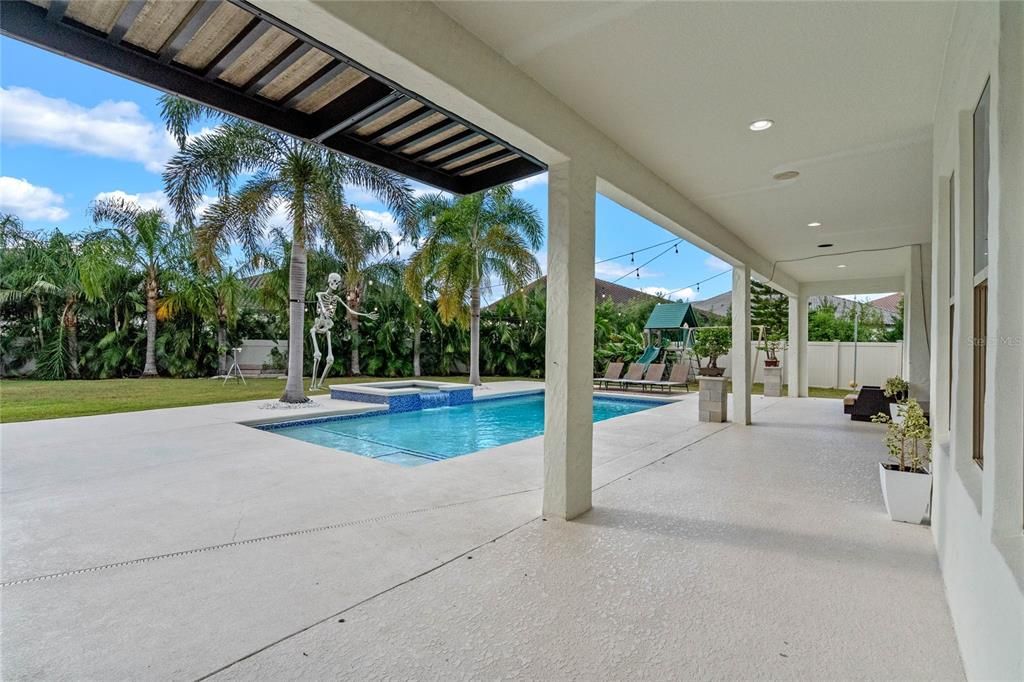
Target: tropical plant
x=895, y=387
x=711, y=343
x=307, y=180
x=468, y=243
x=908, y=437
x=141, y=239
x=771, y=346
x=365, y=252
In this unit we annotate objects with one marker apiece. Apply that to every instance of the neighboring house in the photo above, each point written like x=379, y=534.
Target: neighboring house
x=889, y=307
x=720, y=304
x=603, y=291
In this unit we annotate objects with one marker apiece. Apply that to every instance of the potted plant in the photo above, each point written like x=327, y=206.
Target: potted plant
x=907, y=482
x=711, y=343
x=896, y=388
x=771, y=347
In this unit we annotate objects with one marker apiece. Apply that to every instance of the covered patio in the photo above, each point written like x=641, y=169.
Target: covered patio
x=713, y=550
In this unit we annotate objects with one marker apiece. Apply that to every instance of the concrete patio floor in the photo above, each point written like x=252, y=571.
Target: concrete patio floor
x=181, y=544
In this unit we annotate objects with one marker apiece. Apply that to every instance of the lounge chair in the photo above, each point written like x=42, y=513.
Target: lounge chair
x=653, y=370
x=866, y=403
x=613, y=373
x=634, y=374
x=677, y=377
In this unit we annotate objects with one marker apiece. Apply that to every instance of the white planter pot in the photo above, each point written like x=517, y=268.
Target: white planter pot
x=907, y=495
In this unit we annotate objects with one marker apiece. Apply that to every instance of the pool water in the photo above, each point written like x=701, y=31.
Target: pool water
x=422, y=436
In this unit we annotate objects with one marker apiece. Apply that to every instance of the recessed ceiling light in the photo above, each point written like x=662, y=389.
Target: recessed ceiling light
x=762, y=124
x=814, y=224
x=786, y=175
x=825, y=246
x=840, y=266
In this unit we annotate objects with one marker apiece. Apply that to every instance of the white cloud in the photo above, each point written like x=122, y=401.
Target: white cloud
x=146, y=200
x=532, y=181
x=716, y=263
x=382, y=219
x=154, y=199
x=115, y=130
x=30, y=202
x=614, y=270
x=684, y=294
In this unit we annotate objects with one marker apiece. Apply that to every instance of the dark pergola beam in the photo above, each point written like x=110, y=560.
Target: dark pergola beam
x=277, y=66
x=353, y=146
x=499, y=175
x=252, y=32
x=56, y=10
x=307, y=87
x=427, y=133
x=483, y=161
x=186, y=30
x=462, y=154
x=445, y=145
x=22, y=20
x=125, y=20
x=402, y=123
x=358, y=103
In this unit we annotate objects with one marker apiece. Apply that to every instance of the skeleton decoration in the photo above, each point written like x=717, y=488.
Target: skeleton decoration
x=326, y=305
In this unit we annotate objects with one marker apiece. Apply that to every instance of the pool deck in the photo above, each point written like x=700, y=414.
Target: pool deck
x=180, y=543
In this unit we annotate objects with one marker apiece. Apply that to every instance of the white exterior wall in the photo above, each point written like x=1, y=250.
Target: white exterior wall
x=830, y=363
x=978, y=513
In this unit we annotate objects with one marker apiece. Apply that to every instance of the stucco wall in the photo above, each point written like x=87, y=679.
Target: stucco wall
x=977, y=512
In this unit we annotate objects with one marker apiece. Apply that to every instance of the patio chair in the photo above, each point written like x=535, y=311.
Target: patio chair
x=613, y=373
x=679, y=376
x=634, y=374
x=866, y=403
x=656, y=369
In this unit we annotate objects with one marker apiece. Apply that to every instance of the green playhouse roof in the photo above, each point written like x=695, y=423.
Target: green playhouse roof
x=671, y=316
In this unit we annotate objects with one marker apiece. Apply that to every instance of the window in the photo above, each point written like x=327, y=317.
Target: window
x=979, y=341
x=981, y=164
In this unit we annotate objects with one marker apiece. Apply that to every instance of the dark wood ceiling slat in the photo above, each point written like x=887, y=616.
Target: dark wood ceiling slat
x=277, y=66
x=187, y=29
x=307, y=87
x=445, y=145
x=125, y=20
x=252, y=32
x=516, y=169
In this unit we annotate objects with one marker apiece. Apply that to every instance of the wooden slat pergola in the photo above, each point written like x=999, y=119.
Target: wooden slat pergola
x=231, y=56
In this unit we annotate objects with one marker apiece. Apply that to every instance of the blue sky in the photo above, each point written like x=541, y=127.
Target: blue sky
x=71, y=132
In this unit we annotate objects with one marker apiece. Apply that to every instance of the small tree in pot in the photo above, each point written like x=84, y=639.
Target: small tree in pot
x=896, y=388
x=771, y=346
x=711, y=343
x=907, y=483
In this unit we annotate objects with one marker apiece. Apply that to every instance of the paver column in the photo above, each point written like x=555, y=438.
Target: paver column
x=740, y=360
x=793, y=359
x=569, y=354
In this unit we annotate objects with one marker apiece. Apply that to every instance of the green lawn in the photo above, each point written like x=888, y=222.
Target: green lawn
x=814, y=392
x=26, y=400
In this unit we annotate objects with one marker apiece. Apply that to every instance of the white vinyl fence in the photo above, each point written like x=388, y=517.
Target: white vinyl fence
x=830, y=363
x=256, y=353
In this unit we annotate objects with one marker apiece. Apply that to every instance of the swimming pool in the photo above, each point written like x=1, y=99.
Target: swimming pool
x=424, y=436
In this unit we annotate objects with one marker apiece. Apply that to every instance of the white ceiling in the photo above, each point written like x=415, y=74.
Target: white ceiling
x=851, y=88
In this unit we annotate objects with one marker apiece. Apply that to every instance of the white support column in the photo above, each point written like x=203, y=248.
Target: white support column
x=801, y=343
x=740, y=360
x=569, y=355
x=793, y=359
x=916, y=301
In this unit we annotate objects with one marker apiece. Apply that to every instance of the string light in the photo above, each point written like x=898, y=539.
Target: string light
x=631, y=258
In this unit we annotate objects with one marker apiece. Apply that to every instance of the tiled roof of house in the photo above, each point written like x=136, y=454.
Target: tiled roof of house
x=604, y=291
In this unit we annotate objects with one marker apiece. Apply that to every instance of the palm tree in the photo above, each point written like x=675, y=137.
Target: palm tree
x=304, y=178
x=468, y=243
x=141, y=238
x=359, y=247
x=217, y=295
